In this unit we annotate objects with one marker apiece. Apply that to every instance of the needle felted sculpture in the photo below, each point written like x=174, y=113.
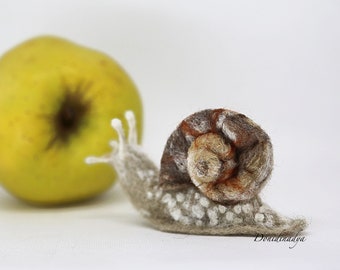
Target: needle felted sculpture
x=213, y=167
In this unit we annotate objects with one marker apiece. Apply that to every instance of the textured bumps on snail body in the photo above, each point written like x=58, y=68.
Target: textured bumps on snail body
x=213, y=167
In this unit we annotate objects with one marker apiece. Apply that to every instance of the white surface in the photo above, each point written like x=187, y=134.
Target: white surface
x=275, y=61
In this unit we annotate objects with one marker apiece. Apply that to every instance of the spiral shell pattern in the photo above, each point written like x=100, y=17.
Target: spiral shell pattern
x=223, y=153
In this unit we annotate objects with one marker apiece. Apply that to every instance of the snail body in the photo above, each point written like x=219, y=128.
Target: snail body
x=213, y=167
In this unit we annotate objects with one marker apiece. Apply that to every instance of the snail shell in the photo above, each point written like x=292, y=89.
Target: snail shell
x=223, y=153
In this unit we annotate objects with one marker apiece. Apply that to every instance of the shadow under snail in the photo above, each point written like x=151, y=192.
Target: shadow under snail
x=213, y=167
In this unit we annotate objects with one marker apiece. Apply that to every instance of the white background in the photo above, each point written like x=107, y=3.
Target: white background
x=278, y=62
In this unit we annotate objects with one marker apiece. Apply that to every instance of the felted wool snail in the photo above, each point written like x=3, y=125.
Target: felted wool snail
x=212, y=169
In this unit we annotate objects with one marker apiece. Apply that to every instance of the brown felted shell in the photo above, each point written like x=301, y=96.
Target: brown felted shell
x=223, y=153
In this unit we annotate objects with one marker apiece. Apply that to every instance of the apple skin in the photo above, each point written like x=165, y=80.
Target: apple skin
x=56, y=102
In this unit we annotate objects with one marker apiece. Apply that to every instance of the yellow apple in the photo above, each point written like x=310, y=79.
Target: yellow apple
x=56, y=102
